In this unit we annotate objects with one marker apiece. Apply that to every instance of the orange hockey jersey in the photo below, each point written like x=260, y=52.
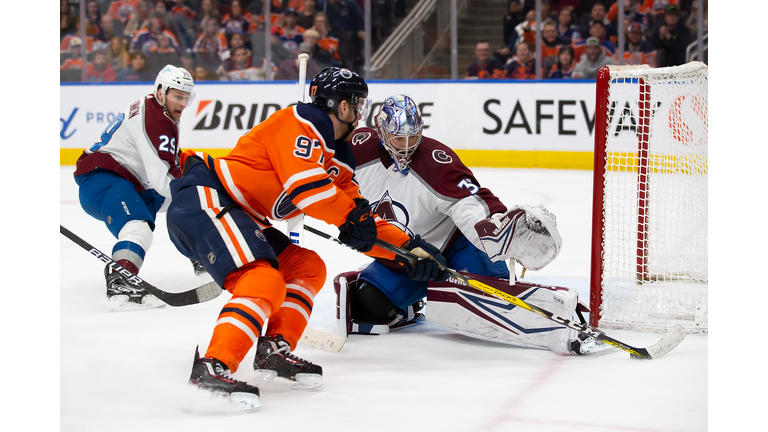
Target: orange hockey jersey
x=290, y=164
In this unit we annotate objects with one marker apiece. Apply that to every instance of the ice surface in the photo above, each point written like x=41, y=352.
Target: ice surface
x=128, y=371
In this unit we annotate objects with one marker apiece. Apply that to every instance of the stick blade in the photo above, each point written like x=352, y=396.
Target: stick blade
x=322, y=340
x=207, y=292
x=671, y=339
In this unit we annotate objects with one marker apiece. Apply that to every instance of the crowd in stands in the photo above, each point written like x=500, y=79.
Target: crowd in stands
x=130, y=40
x=578, y=37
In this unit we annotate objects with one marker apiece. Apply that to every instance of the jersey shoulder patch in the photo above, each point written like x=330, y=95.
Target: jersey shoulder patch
x=365, y=145
x=440, y=167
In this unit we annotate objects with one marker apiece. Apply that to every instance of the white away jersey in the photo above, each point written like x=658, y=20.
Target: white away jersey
x=141, y=145
x=438, y=195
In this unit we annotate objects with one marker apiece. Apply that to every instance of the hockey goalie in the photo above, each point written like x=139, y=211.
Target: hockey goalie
x=421, y=186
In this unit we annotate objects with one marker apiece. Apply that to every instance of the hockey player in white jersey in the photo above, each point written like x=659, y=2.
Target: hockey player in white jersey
x=124, y=178
x=421, y=186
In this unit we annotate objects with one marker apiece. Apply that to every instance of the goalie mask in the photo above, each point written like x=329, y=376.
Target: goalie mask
x=399, y=126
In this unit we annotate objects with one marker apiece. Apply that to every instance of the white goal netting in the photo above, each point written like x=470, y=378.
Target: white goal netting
x=654, y=199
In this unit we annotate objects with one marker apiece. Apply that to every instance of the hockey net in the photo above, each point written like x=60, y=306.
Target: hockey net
x=649, y=218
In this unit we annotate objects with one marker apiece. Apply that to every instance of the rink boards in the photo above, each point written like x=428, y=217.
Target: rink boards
x=489, y=123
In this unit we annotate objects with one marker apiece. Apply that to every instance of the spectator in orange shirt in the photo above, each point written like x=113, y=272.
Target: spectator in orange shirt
x=636, y=50
x=73, y=58
x=211, y=40
x=550, y=43
x=100, y=70
x=180, y=9
x=237, y=19
x=485, y=66
x=563, y=69
x=319, y=55
x=326, y=41
x=67, y=40
x=123, y=10
x=523, y=66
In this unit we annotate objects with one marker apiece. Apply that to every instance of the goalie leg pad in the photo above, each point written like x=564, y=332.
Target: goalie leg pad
x=466, y=311
x=344, y=285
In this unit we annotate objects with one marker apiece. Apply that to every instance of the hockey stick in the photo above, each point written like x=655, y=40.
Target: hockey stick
x=321, y=340
x=295, y=225
x=200, y=294
x=668, y=342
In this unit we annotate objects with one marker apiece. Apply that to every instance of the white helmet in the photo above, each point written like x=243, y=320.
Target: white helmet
x=172, y=77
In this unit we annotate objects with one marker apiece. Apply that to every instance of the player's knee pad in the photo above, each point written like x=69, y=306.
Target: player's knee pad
x=257, y=280
x=302, y=264
x=133, y=242
x=490, y=318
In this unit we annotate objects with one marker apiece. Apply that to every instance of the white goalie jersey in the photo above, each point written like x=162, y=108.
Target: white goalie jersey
x=438, y=199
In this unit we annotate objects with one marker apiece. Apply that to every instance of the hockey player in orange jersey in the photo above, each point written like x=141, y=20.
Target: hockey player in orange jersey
x=296, y=161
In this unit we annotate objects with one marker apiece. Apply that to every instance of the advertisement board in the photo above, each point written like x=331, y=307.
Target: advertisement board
x=510, y=123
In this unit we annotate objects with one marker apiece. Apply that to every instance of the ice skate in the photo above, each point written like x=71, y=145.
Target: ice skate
x=212, y=375
x=411, y=315
x=584, y=344
x=274, y=358
x=123, y=296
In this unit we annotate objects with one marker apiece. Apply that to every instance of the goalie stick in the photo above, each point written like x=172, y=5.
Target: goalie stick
x=314, y=338
x=201, y=294
x=668, y=342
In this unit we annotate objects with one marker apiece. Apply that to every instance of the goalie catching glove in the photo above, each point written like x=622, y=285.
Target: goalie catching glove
x=428, y=267
x=526, y=234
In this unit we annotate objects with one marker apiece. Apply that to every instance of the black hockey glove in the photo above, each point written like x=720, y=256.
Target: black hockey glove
x=426, y=268
x=359, y=231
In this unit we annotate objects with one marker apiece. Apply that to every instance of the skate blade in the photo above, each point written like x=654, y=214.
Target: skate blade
x=262, y=377
x=201, y=401
x=120, y=303
x=307, y=382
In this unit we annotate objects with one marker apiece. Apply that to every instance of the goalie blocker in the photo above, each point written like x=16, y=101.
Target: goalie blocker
x=465, y=310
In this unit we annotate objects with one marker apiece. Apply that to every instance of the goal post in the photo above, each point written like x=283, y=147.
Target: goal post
x=649, y=210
